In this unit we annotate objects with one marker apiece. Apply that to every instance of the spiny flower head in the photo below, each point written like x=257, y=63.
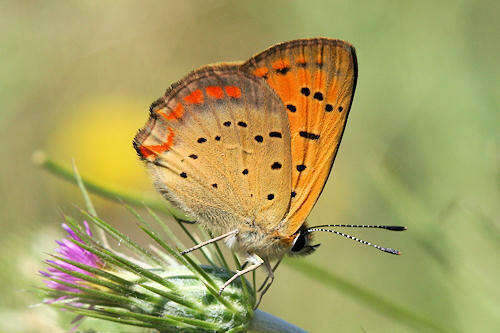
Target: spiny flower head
x=163, y=291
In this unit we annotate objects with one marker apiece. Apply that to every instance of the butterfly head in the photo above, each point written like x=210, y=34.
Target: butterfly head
x=301, y=244
x=301, y=240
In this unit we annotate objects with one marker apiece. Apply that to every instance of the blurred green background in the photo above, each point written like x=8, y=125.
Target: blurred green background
x=421, y=147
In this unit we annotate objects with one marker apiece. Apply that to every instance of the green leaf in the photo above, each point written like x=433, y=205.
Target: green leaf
x=96, y=271
x=202, y=250
x=77, y=229
x=127, y=265
x=174, y=298
x=165, y=227
x=106, y=192
x=86, y=197
x=154, y=319
x=94, y=293
x=119, y=289
x=122, y=238
x=195, y=268
x=102, y=315
x=136, y=214
x=218, y=252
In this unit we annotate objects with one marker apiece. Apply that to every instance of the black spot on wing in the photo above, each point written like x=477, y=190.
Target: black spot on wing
x=301, y=167
x=283, y=70
x=318, y=96
x=308, y=135
x=276, y=165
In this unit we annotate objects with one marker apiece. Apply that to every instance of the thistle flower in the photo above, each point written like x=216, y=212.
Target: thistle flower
x=93, y=281
x=70, y=251
x=161, y=290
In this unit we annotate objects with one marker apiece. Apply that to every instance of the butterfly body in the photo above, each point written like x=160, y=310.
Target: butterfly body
x=246, y=148
x=264, y=243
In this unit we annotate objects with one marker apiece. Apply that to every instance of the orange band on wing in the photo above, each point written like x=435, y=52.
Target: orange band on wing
x=301, y=60
x=261, y=71
x=215, y=92
x=281, y=64
x=176, y=113
x=233, y=91
x=147, y=151
x=195, y=97
x=319, y=58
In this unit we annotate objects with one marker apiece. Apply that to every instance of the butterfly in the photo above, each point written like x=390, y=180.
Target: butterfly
x=246, y=148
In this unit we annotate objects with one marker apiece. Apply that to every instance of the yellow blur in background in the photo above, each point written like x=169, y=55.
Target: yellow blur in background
x=98, y=133
x=420, y=149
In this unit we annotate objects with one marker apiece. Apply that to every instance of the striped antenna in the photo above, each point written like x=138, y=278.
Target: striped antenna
x=386, y=227
x=384, y=249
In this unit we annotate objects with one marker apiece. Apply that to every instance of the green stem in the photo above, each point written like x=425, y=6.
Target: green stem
x=265, y=322
x=42, y=160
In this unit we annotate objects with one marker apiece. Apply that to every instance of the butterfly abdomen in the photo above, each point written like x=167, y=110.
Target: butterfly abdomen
x=264, y=243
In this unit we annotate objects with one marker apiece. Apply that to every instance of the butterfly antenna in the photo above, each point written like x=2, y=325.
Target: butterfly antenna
x=384, y=249
x=386, y=227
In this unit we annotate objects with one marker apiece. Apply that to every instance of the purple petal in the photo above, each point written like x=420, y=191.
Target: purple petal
x=44, y=273
x=50, y=301
x=71, y=232
x=87, y=228
x=69, y=250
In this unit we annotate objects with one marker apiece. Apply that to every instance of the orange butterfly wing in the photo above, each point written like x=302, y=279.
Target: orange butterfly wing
x=218, y=147
x=316, y=80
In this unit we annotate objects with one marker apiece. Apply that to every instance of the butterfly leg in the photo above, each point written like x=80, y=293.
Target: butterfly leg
x=187, y=221
x=270, y=276
x=244, y=265
x=215, y=239
x=267, y=277
x=255, y=262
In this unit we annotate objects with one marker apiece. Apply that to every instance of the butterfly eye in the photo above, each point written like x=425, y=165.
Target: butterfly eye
x=299, y=243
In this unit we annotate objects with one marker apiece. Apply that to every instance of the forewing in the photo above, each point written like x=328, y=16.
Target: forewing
x=218, y=147
x=316, y=79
